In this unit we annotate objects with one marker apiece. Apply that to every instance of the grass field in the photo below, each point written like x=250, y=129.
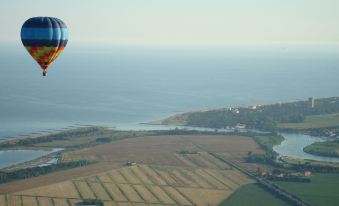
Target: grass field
x=314, y=121
x=321, y=191
x=252, y=195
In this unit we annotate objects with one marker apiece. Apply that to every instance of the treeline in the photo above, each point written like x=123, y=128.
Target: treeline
x=63, y=135
x=263, y=117
x=288, y=178
x=37, y=171
x=315, y=168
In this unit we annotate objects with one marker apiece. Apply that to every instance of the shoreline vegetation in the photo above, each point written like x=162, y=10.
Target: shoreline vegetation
x=297, y=116
x=316, y=117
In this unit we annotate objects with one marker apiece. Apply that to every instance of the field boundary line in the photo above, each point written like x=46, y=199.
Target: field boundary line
x=91, y=189
x=156, y=196
x=156, y=172
x=77, y=189
x=137, y=176
x=185, y=161
x=210, y=159
x=185, y=175
x=37, y=201
x=211, y=174
x=206, y=180
x=53, y=202
x=104, y=187
x=122, y=175
x=169, y=195
x=69, y=202
x=213, y=177
x=22, y=200
x=123, y=193
x=163, y=188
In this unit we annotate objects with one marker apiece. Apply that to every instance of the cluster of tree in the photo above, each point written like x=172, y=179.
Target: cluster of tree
x=37, y=171
x=263, y=117
x=92, y=202
x=266, y=158
x=266, y=142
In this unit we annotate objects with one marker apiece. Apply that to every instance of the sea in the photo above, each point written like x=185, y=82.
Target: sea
x=123, y=86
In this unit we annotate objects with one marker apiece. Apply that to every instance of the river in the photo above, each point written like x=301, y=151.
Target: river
x=294, y=144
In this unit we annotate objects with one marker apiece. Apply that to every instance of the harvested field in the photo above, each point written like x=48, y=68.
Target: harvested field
x=60, y=190
x=185, y=160
x=130, y=193
x=128, y=175
x=142, y=176
x=219, y=164
x=104, y=178
x=160, y=150
x=182, y=179
x=124, y=204
x=176, y=196
x=73, y=202
x=140, y=204
x=115, y=192
x=29, y=201
x=195, y=180
x=172, y=179
x=109, y=203
x=3, y=200
x=84, y=190
x=56, y=177
x=99, y=191
x=161, y=195
x=151, y=174
x=117, y=177
x=164, y=174
x=14, y=200
x=232, y=147
x=45, y=201
x=205, y=196
x=60, y=202
x=226, y=181
x=146, y=194
x=143, y=185
x=210, y=179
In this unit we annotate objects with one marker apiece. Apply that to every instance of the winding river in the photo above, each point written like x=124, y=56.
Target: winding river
x=293, y=146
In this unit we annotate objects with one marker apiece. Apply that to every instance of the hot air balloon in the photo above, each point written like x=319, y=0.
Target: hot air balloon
x=44, y=38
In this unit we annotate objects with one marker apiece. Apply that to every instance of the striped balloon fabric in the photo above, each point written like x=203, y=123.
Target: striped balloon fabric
x=44, y=38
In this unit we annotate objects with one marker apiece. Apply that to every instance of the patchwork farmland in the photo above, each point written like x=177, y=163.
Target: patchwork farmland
x=201, y=179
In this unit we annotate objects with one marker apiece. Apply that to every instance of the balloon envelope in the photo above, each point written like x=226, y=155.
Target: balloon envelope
x=44, y=38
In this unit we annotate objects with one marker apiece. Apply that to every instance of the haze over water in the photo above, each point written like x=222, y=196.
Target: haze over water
x=126, y=86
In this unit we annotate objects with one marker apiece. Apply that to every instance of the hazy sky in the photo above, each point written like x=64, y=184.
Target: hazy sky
x=181, y=22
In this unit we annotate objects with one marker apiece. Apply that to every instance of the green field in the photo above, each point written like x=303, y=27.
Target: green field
x=313, y=122
x=321, y=191
x=330, y=148
x=253, y=195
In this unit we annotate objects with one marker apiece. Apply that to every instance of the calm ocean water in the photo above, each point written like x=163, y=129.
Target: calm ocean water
x=121, y=86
